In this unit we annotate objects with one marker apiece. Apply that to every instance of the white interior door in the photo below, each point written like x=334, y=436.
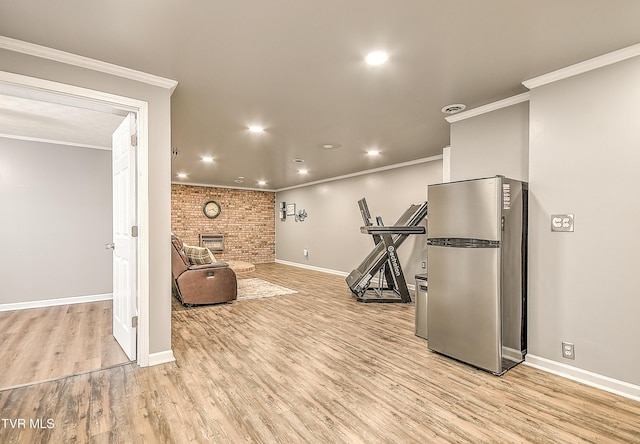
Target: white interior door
x=124, y=250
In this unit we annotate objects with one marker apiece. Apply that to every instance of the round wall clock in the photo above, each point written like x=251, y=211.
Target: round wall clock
x=211, y=209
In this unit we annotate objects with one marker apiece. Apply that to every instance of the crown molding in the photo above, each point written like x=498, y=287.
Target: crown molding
x=54, y=142
x=488, y=108
x=331, y=179
x=209, y=185
x=362, y=173
x=85, y=62
x=582, y=67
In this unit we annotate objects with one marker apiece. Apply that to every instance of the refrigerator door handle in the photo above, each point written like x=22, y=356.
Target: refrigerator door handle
x=463, y=243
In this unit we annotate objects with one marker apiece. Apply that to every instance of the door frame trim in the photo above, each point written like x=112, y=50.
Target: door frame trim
x=141, y=109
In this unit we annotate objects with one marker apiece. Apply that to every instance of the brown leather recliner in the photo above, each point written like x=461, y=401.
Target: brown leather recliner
x=201, y=284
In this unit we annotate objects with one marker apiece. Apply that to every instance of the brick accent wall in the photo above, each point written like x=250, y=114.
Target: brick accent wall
x=247, y=220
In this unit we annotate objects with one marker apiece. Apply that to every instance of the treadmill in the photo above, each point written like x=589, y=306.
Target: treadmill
x=383, y=260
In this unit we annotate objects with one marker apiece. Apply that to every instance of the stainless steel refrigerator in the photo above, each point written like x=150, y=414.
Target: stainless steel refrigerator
x=477, y=271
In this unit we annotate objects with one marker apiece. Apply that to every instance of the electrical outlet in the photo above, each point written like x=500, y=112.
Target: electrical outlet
x=305, y=252
x=568, y=350
x=424, y=265
x=562, y=222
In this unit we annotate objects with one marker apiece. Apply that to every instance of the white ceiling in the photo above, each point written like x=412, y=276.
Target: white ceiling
x=52, y=118
x=296, y=67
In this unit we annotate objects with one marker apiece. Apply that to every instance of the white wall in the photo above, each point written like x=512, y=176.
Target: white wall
x=585, y=159
x=159, y=165
x=331, y=232
x=495, y=143
x=56, y=218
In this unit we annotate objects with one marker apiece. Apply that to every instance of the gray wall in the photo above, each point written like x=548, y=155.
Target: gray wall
x=56, y=218
x=495, y=143
x=331, y=232
x=585, y=159
x=159, y=100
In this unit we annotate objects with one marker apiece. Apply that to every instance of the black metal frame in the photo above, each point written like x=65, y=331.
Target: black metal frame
x=383, y=259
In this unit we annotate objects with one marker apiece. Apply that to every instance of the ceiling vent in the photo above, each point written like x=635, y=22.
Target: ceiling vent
x=455, y=108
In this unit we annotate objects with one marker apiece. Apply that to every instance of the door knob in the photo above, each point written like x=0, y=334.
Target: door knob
x=111, y=246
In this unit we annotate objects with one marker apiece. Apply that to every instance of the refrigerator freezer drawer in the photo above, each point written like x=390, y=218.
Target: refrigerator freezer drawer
x=463, y=319
x=467, y=210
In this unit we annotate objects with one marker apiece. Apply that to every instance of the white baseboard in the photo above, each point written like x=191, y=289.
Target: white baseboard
x=54, y=302
x=311, y=267
x=601, y=382
x=161, y=357
x=511, y=353
x=411, y=287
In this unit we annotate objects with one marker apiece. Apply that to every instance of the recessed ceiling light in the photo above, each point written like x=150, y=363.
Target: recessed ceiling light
x=240, y=177
x=303, y=171
x=262, y=182
x=207, y=159
x=298, y=160
x=330, y=146
x=376, y=58
x=256, y=129
x=182, y=175
x=455, y=108
x=238, y=181
x=373, y=152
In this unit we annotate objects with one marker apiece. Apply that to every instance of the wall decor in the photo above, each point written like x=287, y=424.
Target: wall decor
x=301, y=216
x=211, y=209
x=282, y=212
x=291, y=209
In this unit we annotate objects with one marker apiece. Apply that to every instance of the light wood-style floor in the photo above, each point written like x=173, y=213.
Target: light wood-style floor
x=313, y=367
x=43, y=344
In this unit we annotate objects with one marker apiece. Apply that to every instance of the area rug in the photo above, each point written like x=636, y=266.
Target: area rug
x=255, y=288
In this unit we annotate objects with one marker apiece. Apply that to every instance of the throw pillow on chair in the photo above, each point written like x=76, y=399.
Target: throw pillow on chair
x=198, y=255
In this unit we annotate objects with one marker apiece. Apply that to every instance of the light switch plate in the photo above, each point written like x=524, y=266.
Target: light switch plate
x=562, y=222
